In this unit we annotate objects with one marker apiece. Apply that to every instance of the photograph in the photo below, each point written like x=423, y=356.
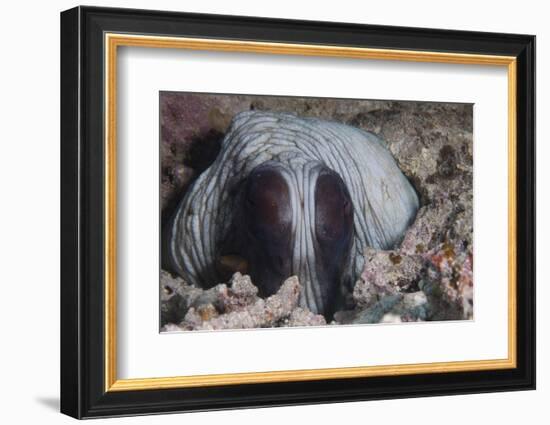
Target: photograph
x=282, y=212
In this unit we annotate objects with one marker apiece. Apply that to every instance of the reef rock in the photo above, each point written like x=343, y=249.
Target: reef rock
x=234, y=306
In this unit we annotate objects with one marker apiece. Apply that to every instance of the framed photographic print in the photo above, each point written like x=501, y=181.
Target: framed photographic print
x=261, y=212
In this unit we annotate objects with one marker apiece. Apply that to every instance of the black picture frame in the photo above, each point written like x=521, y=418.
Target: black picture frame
x=83, y=392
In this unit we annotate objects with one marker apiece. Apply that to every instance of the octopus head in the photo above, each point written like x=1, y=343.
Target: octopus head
x=301, y=224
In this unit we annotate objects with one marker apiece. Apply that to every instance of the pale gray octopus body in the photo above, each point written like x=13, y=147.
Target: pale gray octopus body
x=291, y=196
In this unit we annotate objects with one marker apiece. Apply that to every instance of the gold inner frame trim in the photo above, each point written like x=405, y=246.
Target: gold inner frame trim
x=112, y=41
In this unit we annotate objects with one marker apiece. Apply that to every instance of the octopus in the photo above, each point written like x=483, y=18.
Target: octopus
x=287, y=196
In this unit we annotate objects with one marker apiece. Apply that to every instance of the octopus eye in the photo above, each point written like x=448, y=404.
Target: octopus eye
x=268, y=206
x=333, y=209
x=347, y=207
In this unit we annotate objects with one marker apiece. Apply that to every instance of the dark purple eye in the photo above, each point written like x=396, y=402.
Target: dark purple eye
x=268, y=227
x=269, y=213
x=333, y=208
